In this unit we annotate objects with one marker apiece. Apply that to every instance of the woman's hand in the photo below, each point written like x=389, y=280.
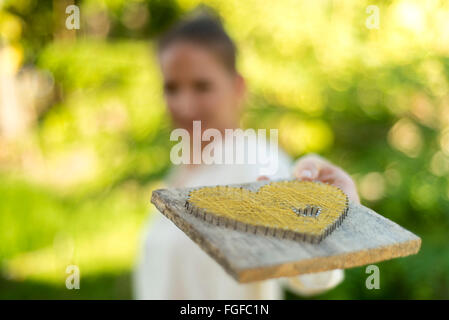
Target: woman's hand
x=313, y=167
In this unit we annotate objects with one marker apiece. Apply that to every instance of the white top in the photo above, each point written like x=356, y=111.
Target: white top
x=172, y=266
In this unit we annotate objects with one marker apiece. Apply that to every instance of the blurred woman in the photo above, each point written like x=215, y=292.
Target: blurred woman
x=198, y=64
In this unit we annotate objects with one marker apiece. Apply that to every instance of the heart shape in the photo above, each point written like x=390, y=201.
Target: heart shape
x=299, y=210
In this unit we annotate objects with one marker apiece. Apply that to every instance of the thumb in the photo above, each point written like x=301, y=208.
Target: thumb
x=306, y=170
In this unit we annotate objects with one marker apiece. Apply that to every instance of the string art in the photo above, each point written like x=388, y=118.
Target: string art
x=298, y=210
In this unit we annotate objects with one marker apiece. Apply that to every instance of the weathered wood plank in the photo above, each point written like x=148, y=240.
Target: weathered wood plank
x=364, y=237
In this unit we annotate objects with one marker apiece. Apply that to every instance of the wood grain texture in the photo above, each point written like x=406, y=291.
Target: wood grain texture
x=364, y=237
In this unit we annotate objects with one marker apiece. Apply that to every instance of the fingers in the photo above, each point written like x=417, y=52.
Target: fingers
x=352, y=194
x=329, y=173
x=342, y=180
x=349, y=188
x=314, y=167
x=307, y=168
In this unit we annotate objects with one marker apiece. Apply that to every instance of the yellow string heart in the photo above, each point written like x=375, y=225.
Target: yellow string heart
x=289, y=209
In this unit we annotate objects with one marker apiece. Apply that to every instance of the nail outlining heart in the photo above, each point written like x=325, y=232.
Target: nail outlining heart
x=298, y=210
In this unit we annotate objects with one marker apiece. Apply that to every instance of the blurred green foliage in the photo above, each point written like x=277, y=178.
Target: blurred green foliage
x=75, y=186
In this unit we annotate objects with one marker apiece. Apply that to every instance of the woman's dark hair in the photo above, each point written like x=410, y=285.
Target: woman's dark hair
x=203, y=27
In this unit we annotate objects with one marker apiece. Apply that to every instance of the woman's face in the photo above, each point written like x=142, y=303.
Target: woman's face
x=197, y=86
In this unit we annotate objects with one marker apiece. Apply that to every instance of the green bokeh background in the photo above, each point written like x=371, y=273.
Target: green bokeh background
x=76, y=173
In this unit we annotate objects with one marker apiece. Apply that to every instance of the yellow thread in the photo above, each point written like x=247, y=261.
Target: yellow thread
x=272, y=205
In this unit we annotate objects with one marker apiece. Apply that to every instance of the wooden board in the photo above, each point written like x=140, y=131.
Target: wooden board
x=364, y=237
